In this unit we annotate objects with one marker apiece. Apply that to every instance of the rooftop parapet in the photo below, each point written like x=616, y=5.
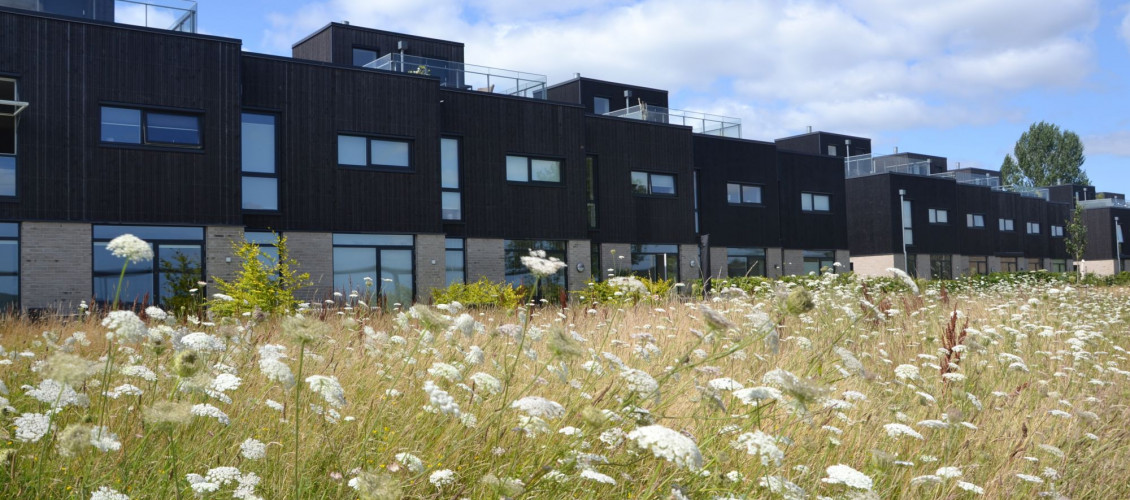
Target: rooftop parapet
x=464, y=76
x=700, y=123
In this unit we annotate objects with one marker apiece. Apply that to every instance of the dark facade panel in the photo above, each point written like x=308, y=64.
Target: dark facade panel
x=1008, y=207
x=342, y=38
x=817, y=143
x=569, y=91
x=976, y=200
x=622, y=146
x=583, y=90
x=1057, y=214
x=721, y=161
x=1033, y=210
x=315, y=103
x=491, y=127
x=317, y=46
x=873, y=226
x=806, y=173
x=67, y=70
x=925, y=193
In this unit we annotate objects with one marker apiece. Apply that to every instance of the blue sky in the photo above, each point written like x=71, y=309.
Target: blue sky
x=959, y=78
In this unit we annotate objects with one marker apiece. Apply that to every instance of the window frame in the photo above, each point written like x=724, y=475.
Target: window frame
x=458, y=189
x=741, y=195
x=353, y=55
x=377, y=245
x=607, y=103
x=369, y=166
x=143, y=123
x=935, y=212
x=971, y=221
x=14, y=155
x=650, y=189
x=1006, y=225
x=261, y=175
x=449, y=247
x=155, y=242
x=592, y=192
x=812, y=195
x=1029, y=226
x=639, y=250
x=1056, y=231
x=15, y=304
x=530, y=170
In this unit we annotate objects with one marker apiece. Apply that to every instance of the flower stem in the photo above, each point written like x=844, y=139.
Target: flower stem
x=297, y=412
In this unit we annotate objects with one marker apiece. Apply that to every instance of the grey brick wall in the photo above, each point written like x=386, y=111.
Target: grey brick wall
x=314, y=253
x=774, y=262
x=484, y=259
x=688, y=254
x=794, y=261
x=220, y=258
x=844, y=258
x=578, y=251
x=718, y=262
x=608, y=260
x=56, y=265
x=431, y=265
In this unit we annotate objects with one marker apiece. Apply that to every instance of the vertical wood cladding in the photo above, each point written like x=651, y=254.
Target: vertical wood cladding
x=805, y=173
x=1101, y=241
x=871, y=216
x=316, y=102
x=979, y=201
x=68, y=69
x=583, y=90
x=622, y=146
x=492, y=126
x=720, y=161
x=335, y=42
x=817, y=143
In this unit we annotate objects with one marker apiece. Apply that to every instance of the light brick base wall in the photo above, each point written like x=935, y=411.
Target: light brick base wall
x=484, y=260
x=1101, y=267
x=431, y=265
x=774, y=262
x=844, y=258
x=688, y=272
x=875, y=265
x=56, y=265
x=794, y=261
x=718, y=262
x=221, y=260
x=314, y=254
x=579, y=251
x=994, y=264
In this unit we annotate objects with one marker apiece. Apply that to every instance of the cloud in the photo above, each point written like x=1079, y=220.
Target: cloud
x=1124, y=30
x=1115, y=143
x=855, y=65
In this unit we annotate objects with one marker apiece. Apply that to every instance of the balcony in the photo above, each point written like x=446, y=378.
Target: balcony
x=972, y=179
x=463, y=76
x=700, y=123
x=1025, y=191
x=1104, y=203
x=865, y=165
x=172, y=15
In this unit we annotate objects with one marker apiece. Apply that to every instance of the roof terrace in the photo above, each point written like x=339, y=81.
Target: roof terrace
x=173, y=15
x=466, y=76
x=700, y=123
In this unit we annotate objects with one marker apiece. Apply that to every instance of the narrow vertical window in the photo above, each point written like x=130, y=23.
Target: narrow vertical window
x=454, y=255
x=907, y=224
x=260, y=175
x=590, y=190
x=452, y=197
x=10, y=108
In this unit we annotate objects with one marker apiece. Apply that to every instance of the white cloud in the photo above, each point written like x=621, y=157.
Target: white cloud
x=854, y=66
x=1124, y=30
x=1115, y=143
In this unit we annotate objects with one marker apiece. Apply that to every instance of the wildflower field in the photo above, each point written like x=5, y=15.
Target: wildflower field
x=830, y=387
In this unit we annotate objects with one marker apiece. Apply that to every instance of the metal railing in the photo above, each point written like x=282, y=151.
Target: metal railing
x=962, y=177
x=173, y=15
x=864, y=165
x=466, y=76
x=1104, y=203
x=1026, y=191
x=700, y=123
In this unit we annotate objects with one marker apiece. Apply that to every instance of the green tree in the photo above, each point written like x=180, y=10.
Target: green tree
x=1045, y=156
x=263, y=281
x=1076, y=234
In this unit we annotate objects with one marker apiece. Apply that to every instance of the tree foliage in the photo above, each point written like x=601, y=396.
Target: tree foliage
x=1045, y=156
x=1076, y=234
x=264, y=281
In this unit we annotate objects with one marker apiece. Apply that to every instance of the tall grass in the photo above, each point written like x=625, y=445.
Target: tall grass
x=1035, y=389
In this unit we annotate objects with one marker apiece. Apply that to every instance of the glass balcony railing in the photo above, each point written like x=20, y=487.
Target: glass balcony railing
x=700, y=123
x=466, y=76
x=1025, y=191
x=1104, y=203
x=173, y=15
x=864, y=165
x=963, y=177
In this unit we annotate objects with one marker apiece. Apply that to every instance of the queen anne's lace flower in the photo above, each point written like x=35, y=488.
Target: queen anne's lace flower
x=847, y=476
x=440, y=399
x=125, y=326
x=207, y=410
x=139, y=371
x=536, y=406
x=442, y=478
x=668, y=444
x=755, y=395
x=970, y=487
x=758, y=443
x=329, y=388
x=270, y=364
x=640, y=382
x=593, y=475
x=128, y=246
x=541, y=266
x=202, y=342
x=253, y=449
x=906, y=372
x=445, y=371
x=56, y=394
x=31, y=427
x=103, y=439
x=411, y=462
x=899, y=430
x=107, y=493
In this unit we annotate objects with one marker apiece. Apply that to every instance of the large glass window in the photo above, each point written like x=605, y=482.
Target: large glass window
x=651, y=183
x=813, y=202
x=176, y=268
x=260, y=180
x=815, y=260
x=142, y=126
x=451, y=196
x=362, y=56
x=745, y=262
x=941, y=267
x=1059, y=265
x=656, y=262
x=7, y=175
x=518, y=275
x=599, y=105
x=360, y=151
x=743, y=194
x=1035, y=264
x=455, y=256
x=978, y=265
x=533, y=170
x=9, y=117
x=385, y=259
x=268, y=249
x=912, y=265
x=9, y=266
x=1008, y=264
x=1057, y=231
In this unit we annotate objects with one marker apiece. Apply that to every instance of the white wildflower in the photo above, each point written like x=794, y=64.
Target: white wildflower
x=541, y=266
x=445, y=371
x=253, y=449
x=329, y=388
x=104, y=440
x=31, y=427
x=411, y=462
x=536, y=406
x=125, y=327
x=107, y=493
x=899, y=430
x=440, y=399
x=970, y=487
x=948, y=472
x=130, y=247
x=668, y=444
x=845, y=475
x=485, y=382
x=906, y=372
x=640, y=382
x=139, y=371
x=1030, y=478
x=207, y=410
x=593, y=475
x=202, y=342
x=758, y=443
x=442, y=478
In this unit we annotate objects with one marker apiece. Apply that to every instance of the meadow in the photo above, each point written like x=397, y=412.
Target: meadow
x=829, y=387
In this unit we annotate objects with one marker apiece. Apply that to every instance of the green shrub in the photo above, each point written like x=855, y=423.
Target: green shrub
x=482, y=293
x=263, y=281
x=608, y=293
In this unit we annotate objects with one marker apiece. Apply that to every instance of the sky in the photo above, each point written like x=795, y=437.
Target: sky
x=956, y=78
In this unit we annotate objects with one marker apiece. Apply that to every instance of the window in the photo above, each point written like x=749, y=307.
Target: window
x=452, y=197
x=169, y=279
x=974, y=220
x=10, y=108
x=907, y=225
x=1008, y=264
x=832, y=150
x=360, y=151
x=9, y=266
x=260, y=180
x=599, y=105
x=517, y=274
x=148, y=127
x=1033, y=228
x=743, y=194
x=1057, y=231
x=1035, y=264
x=656, y=262
x=533, y=170
x=941, y=267
x=454, y=256
x=939, y=216
x=1059, y=265
x=812, y=202
x=745, y=262
x=590, y=192
x=362, y=57
x=978, y=265
x=1005, y=224
x=815, y=260
x=268, y=249
x=654, y=184
x=385, y=259
x=912, y=265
